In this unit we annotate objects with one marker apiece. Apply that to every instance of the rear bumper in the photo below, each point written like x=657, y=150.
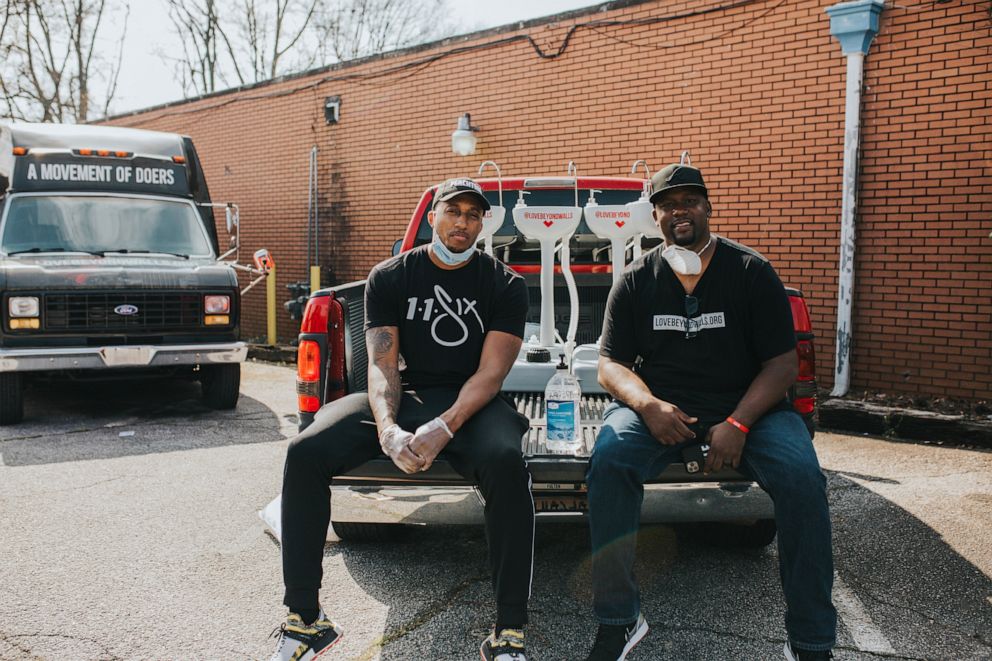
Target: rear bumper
x=461, y=504
x=111, y=357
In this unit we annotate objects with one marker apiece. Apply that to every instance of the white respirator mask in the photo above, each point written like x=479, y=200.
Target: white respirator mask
x=685, y=261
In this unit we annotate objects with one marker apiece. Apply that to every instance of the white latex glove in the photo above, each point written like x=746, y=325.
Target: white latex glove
x=429, y=439
x=395, y=443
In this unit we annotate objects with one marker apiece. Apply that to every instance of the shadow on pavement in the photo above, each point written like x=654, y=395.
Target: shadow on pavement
x=702, y=602
x=76, y=421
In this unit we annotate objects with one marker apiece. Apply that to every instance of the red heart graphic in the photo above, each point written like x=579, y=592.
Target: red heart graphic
x=621, y=223
x=549, y=223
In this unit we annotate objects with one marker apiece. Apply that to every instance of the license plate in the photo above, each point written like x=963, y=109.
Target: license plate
x=560, y=504
x=121, y=356
x=564, y=487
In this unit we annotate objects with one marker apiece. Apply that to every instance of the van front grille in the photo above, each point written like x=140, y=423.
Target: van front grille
x=121, y=312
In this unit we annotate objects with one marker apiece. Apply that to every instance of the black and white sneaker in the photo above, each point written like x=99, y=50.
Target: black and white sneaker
x=507, y=646
x=792, y=654
x=304, y=642
x=614, y=641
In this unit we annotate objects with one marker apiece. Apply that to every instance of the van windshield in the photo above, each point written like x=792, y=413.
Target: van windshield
x=103, y=224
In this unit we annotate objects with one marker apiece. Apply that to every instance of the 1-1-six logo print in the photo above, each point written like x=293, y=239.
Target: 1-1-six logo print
x=445, y=314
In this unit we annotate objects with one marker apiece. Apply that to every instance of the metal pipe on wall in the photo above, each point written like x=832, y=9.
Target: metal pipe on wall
x=313, y=225
x=854, y=24
x=845, y=277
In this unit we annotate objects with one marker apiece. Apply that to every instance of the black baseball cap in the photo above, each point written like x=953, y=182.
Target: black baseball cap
x=454, y=187
x=676, y=175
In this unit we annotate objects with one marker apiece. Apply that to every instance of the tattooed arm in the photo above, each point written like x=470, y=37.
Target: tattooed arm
x=384, y=374
x=385, y=391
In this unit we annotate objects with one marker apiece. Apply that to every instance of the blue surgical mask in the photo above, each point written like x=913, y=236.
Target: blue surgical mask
x=447, y=256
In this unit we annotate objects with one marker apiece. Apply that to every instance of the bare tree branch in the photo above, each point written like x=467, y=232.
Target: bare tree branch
x=51, y=58
x=355, y=28
x=116, y=69
x=246, y=41
x=304, y=25
x=8, y=13
x=268, y=34
x=197, y=23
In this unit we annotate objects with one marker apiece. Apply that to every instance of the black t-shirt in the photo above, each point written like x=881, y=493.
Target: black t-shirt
x=743, y=319
x=443, y=315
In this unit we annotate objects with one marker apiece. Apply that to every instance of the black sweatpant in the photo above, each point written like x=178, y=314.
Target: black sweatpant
x=486, y=450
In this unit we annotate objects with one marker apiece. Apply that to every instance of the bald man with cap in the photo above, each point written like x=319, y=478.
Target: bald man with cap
x=456, y=316
x=698, y=347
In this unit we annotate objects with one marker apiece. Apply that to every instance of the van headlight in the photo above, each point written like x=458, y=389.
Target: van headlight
x=217, y=304
x=22, y=313
x=22, y=306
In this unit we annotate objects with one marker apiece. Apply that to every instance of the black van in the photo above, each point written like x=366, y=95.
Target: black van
x=110, y=263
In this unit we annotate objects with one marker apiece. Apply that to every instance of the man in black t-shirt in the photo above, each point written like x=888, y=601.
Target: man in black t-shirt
x=456, y=316
x=698, y=346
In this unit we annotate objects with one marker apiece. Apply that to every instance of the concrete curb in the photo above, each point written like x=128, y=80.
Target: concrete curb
x=272, y=354
x=862, y=417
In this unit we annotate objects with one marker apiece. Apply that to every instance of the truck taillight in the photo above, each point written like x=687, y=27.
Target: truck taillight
x=320, y=369
x=308, y=361
x=807, y=360
x=804, y=399
x=315, y=315
x=308, y=376
x=800, y=314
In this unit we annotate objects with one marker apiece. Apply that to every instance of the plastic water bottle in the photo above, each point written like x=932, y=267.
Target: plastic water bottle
x=562, y=398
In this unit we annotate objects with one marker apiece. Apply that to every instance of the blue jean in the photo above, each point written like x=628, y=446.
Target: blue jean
x=778, y=455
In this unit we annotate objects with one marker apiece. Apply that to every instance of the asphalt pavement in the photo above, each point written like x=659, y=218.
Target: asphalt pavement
x=129, y=530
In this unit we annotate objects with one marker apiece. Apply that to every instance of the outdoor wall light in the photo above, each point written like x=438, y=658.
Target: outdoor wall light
x=463, y=138
x=332, y=109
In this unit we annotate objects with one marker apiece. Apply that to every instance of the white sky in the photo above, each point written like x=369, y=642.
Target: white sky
x=146, y=77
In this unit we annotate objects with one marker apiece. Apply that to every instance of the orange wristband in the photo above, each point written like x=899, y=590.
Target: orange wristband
x=740, y=426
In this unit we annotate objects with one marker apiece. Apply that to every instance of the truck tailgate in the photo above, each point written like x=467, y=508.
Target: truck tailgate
x=545, y=467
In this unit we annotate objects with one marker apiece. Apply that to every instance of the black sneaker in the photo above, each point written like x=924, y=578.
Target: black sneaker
x=614, y=641
x=507, y=646
x=304, y=642
x=792, y=654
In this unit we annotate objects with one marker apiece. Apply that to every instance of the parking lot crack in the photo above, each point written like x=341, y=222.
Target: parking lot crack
x=983, y=473
x=13, y=639
x=716, y=632
x=933, y=617
x=48, y=435
x=24, y=652
x=83, y=486
x=902, y=479
x=424, y=616
x=878, y=655
x=780, y=641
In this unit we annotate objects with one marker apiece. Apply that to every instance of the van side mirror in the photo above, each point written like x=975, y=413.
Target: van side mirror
x=231, y=217
x=397, y=246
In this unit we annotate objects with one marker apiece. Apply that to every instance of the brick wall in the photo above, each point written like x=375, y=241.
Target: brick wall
x=754, y=90
x=924, y=293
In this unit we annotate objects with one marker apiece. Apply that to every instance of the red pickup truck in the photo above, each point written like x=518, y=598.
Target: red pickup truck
x=376, y=500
